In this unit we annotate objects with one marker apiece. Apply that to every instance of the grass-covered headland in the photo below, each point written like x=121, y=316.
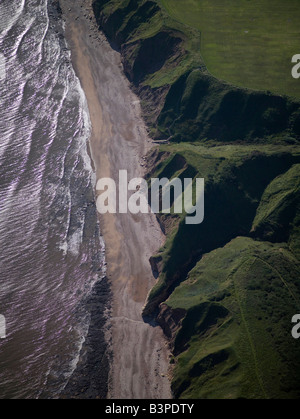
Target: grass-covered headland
x=228, y=288
x=248, y=43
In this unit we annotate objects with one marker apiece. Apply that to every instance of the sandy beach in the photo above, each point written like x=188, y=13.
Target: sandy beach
x=140, y=357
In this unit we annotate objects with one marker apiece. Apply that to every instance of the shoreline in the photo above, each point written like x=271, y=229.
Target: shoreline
x=140, y=356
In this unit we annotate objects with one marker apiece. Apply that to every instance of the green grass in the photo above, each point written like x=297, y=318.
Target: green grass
x=199, y=107
x=135, y=23
x=235, y=180
x=235, y=338
x=247, y=43
x=160, y=52
x=278, y=215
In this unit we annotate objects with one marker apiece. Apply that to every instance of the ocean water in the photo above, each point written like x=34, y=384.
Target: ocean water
x=51, y=252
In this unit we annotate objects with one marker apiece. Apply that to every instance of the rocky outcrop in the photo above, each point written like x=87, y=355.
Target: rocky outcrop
x=170, y=321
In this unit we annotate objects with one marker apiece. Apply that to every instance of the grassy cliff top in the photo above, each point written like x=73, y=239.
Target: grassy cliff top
x=247, y=43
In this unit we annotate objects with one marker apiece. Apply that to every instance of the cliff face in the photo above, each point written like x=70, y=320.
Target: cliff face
x=227, y=288
x=149, y=47
x=203, y=107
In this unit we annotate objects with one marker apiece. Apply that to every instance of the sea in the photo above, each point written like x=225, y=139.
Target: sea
x=52, y=255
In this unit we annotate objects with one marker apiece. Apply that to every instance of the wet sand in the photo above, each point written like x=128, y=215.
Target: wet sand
x=139, y=363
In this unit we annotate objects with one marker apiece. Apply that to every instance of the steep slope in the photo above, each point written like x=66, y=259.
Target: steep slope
x=234, y=340
x=235, y=177
x=278, y=215
x=199, y=107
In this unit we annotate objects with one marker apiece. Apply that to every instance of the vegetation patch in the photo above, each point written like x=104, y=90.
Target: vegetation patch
x=247, y=43
x=235, y=340
x=235, y=180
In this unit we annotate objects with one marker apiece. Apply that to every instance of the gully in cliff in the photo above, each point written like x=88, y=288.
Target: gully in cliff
x=164, y=195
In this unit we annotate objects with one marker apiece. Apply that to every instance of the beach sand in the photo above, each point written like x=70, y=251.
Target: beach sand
x=119, y=140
